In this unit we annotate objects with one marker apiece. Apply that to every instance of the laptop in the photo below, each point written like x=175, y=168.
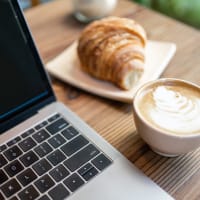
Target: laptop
x=46, y=151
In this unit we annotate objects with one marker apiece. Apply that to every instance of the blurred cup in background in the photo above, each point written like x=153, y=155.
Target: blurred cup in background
x=89, y=10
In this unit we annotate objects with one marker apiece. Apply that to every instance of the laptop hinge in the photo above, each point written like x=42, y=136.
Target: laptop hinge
x=10, y=123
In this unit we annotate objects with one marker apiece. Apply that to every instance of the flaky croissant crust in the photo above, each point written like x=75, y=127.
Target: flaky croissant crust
x=112, y=49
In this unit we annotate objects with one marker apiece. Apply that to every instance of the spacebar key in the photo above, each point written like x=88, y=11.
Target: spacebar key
x=81, y=157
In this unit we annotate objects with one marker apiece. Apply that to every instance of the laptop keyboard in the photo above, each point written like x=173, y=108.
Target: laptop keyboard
x=49, y=161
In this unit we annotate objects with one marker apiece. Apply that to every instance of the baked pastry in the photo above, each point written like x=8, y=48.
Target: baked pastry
x=112, y=49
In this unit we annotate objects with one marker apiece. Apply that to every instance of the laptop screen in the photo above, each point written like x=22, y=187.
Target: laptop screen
x=23, y=81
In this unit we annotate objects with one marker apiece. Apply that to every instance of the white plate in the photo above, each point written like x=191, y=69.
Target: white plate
x=66, y=68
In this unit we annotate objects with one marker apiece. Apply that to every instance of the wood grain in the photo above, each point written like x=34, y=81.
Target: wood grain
x=35, y=2
x=54, y=28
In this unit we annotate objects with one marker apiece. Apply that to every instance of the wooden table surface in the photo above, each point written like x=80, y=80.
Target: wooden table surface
x=54, y=28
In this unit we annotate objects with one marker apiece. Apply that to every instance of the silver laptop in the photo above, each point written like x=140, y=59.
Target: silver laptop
x=46, y=151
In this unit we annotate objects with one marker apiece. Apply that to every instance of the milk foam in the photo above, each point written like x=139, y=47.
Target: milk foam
x=175, y=112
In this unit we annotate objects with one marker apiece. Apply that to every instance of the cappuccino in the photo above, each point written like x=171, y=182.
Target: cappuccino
x=171, y=107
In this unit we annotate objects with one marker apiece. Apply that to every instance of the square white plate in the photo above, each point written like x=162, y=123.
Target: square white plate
x=66, y=67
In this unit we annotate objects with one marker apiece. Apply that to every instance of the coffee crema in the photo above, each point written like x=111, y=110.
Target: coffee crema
x=173, y=108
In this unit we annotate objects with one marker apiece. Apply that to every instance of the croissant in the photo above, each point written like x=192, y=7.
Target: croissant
x=113, y=49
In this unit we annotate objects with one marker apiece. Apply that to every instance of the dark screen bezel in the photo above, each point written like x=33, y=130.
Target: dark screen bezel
x=33, y=107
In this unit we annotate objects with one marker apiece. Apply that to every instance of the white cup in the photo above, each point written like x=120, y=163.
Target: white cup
x=88, y=10
x=167, y=115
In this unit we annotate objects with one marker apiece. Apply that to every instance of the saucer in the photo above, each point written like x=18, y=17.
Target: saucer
x=66, y=67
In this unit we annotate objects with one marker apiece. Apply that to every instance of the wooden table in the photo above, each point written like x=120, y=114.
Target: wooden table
x=54, y=28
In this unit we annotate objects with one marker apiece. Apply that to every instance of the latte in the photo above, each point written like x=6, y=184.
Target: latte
x=174, y=108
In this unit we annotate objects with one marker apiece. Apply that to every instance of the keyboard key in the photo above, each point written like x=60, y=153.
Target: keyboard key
x=56, y=157
x=85, y=169
x=28, y=158
x=1, y=197
x=26, y=177
x=57, y=141
x=101, y=162
x=90, y=174
x=45, y=197
x=43, y=149
x=28, y=132
x=41, y=125
x=14, y=198
x=73, y=182
x=10, y=188
x=3, y=176
x=59, y=173
x=2, y=148
x=54, y=117
x=59, y=192
x=41, y=135
x=3, y=161
x=44, y=183
x=27, y=144
x=57, y=126
x=74, y=145
x=81, y=157
x=42, y=167
x=13, y=141
x=70, y=132
x=30, y=193
x=12, y=153
x=13, y=168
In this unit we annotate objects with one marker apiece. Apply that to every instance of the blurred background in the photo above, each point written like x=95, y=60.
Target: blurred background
x=187, y=11
x=25, y=4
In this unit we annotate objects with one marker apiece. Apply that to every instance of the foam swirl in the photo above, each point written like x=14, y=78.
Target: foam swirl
x=175, y=112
